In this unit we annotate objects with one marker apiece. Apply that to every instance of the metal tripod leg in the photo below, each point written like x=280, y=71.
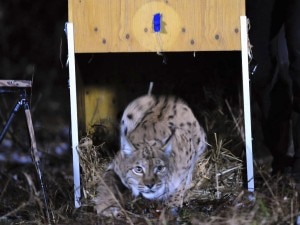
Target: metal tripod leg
x=11, y=117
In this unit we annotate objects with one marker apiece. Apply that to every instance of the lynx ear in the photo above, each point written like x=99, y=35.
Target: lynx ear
x=126, y=146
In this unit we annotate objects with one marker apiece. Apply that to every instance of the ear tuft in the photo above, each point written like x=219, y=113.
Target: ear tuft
x=169, y=143
x=126, y=147
x=168, y=147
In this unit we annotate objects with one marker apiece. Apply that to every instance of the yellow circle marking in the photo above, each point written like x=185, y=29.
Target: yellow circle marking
x=142, y=26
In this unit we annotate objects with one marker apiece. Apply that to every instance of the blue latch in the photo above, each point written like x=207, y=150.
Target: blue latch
x=157, y=22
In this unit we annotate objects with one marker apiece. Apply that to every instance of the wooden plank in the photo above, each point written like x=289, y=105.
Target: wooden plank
x=127, y=26
x=15, y=83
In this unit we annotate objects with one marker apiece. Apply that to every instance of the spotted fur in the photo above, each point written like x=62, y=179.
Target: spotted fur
x=161, y=142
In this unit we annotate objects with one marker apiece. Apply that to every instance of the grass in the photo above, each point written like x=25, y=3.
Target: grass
x=218, y=194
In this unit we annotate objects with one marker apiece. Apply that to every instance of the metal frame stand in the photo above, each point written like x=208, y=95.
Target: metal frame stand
x=23, y=103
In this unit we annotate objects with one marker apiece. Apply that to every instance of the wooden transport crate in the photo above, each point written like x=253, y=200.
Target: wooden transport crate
x=131, y=26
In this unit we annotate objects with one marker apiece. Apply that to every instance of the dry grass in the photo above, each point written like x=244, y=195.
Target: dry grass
x=217, y=195
x=218, y=176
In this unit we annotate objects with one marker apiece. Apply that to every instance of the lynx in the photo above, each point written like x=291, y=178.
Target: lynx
x=160, y=144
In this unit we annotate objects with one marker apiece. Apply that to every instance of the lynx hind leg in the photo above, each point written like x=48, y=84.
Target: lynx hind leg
x=109, y=201
x=134, y=112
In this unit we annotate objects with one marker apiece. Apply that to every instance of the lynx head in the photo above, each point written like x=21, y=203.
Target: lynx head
x=148, y=167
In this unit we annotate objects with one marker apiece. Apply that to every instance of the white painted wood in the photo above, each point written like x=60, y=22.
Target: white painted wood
x=74, y=116
x=247, y=109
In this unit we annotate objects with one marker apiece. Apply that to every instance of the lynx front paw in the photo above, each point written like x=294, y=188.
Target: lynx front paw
x=112, y=211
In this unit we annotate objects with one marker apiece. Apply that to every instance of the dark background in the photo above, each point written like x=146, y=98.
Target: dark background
x=32, y=42
x=31, y=38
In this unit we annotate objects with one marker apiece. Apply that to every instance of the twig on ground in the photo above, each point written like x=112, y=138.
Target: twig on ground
x=4, y=188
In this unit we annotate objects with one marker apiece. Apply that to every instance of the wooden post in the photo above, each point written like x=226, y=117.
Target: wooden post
x=74, y=117
x=246, y=98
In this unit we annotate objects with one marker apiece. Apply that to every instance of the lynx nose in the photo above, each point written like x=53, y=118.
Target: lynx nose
x=150, y=185
x=150, y=182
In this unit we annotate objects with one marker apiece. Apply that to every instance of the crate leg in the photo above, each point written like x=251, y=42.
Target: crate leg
x=246, y=98
x=74, y=117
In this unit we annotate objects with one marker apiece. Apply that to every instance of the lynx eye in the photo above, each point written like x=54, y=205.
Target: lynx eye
x=138, y=170
x=160, y=168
